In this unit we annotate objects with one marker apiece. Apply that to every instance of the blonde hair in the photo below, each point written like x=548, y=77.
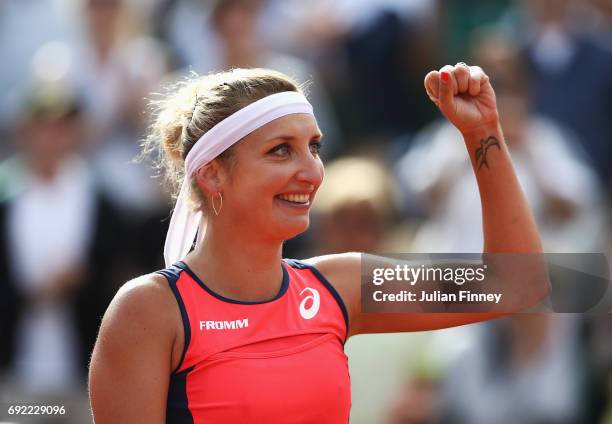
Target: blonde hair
x=193, y=106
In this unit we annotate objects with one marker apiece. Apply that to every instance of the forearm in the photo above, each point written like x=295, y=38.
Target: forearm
x=508, y=223
x=466, y=98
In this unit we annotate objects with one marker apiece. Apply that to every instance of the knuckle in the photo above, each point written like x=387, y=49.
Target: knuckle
x=462, y=70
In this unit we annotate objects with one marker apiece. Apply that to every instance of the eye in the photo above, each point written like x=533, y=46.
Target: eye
x=280, y=150
x=315, y=147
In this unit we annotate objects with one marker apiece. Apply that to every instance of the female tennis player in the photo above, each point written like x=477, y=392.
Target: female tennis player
x=230, y=332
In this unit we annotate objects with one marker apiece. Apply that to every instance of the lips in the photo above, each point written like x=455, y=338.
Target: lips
x=296, y=201
x=300, y=199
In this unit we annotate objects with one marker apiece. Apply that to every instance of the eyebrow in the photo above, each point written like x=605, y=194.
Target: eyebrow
x=318, y=135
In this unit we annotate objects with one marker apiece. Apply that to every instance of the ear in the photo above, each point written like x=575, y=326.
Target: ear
x=210, y=178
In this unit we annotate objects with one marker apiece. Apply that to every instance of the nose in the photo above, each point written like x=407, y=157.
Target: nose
x=310, y=170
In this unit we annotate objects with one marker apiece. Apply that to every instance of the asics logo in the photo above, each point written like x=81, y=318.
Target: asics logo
x=313, y=300
x=224, y=325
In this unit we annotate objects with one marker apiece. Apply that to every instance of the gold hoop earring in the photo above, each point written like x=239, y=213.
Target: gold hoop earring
x=212, y=202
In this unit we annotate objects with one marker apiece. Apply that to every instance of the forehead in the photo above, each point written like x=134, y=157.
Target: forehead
x=296, y=125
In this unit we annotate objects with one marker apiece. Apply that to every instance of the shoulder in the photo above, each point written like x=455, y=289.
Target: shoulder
x=335, y=263
x=133, y=358
x=146, y=290
x=143, y=305
x=343, y=271
x=333, y=267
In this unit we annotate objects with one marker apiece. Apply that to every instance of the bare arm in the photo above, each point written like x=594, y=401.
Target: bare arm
x=467, y=100
x=344, y=273
x=508, y=225
x=132, y=360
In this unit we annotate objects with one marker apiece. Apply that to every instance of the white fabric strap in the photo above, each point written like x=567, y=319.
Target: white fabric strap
x=185, y=221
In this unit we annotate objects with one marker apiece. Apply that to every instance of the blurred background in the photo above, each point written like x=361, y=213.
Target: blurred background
x=78, y=216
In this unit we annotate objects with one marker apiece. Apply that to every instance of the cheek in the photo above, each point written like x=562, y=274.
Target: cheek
x=256, y=186
x=322, y=171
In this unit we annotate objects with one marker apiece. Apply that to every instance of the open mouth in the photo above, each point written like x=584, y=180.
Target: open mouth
x=295, y=199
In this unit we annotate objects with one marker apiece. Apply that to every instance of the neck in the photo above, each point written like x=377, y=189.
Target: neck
x=236, y=267
x=45, y=170
x=103, y=46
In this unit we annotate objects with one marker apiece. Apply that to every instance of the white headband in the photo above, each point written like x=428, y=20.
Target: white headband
x=185, y=221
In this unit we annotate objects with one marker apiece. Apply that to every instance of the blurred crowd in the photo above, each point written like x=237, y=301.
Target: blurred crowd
x=79, y=215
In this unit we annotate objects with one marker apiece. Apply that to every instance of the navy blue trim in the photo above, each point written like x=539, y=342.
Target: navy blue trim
x=177, y=405
x=172, y=274
x=302, y=265
x=281, y=292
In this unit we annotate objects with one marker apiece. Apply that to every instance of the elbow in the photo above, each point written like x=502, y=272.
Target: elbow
x=537, y=288
x=522, y=277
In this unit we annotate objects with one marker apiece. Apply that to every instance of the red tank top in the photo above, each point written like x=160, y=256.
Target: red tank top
x=279, y=361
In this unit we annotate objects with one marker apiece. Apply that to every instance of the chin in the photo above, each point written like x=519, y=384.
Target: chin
x=294, y=229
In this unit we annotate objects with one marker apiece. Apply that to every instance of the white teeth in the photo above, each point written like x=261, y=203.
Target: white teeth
x=295, y=198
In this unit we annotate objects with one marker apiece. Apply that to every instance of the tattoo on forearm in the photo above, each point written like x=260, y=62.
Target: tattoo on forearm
x=481, y=152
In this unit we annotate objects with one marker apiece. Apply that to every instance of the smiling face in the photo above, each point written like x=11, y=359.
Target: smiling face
x=271, y=184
